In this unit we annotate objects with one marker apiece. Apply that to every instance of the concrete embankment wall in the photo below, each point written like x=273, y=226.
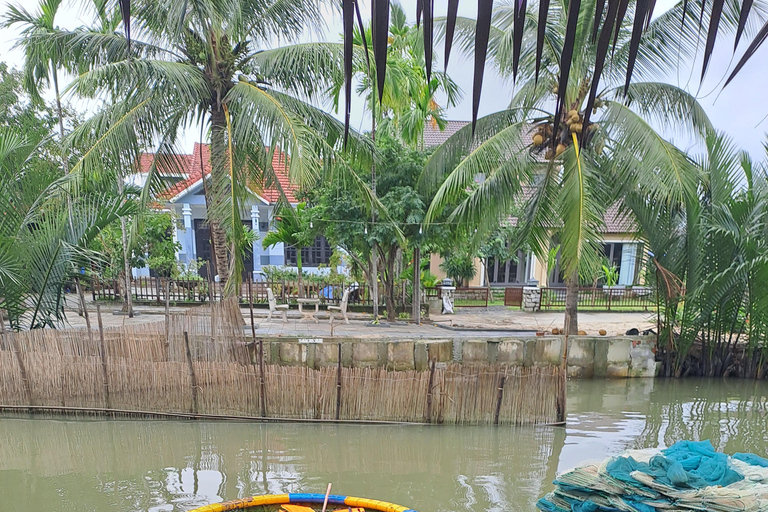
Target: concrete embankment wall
x=588, y=356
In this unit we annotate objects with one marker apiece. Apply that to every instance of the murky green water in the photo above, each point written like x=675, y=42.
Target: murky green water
x=130, y=465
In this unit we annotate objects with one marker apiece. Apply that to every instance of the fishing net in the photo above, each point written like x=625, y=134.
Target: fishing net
x=687, y=476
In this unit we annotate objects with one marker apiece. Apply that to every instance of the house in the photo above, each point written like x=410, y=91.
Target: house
x=620, y=241
x=185, y=198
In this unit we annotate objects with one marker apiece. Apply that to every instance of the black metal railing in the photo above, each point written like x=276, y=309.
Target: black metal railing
x=605, y=298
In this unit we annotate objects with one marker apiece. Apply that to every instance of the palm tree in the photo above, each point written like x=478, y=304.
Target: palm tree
x=709, y=257
x=44, y=238
x=209, y=63
x=575, y=169
x=41, y=61
x=291, y=231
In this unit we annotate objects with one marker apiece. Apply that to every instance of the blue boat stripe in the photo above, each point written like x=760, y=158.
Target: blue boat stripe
x=334, y=499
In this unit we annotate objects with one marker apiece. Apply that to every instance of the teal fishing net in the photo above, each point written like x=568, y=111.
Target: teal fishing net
x=688, y=475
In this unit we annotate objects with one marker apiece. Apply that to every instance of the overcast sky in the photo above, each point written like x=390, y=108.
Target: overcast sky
x=739, y=110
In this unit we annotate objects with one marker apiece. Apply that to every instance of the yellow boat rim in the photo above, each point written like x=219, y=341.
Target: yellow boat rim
x=299, y=498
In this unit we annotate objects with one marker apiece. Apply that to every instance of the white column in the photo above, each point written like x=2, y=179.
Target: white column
x=257, y=243
x=187, y=239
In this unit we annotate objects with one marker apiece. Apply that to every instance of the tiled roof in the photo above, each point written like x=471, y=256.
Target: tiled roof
x=618, y=222
x=199, y=163
x=433, y=136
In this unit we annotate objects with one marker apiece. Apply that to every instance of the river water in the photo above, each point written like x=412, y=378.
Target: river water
x=83, y=465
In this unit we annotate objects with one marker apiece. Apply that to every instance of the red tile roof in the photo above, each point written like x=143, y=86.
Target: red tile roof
x=199, y=162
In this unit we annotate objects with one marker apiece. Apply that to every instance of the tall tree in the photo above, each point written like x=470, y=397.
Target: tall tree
x=211, y=63
x=586, y=152
x=407, y=100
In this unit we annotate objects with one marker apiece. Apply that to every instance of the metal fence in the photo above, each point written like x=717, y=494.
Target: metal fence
x=465, y=297
x=613, y=298
x=153, y=289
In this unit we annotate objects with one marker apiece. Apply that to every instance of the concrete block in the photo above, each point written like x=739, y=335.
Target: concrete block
x=326, y=355
x=600, y=365
x=292, y=353
x=548, y=350
x=474, y=351
x=493, y=351
x=511, y=352
x=311, y=356
x=400, y=356
x=440, y=351
x=365, y=354
x=420, y=360
x=581, y=353
x=617, y=370
x=618, y=350
x=642, y=359
x=346, y=355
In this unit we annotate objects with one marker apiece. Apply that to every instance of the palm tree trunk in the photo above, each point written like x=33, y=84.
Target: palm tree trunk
x=375, y=249
x=571, y=303
x=389, y=285
x=219, y=186
x=58, y=101
x=128, y=303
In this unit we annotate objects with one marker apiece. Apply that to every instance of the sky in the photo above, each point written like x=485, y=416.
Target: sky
x=740, y=110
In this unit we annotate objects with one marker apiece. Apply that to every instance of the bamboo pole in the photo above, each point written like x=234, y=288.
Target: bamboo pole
x=81, y=298
x=168, y=319
x=561, y=398
x=103, y=354
x=261, y=376
x=499, y=398
x=428, y=419
x=191, y=373
x=338, y=386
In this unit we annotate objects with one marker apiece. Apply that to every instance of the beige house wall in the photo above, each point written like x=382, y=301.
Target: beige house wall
x=538, y=266
x=434, y=267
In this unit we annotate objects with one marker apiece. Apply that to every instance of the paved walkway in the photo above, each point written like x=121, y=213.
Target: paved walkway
x=490, y=322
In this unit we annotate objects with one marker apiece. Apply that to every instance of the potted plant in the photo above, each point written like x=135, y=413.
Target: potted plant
x=611, y=286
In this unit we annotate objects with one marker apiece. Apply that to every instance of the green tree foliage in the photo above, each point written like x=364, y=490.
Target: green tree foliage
x=709, y=263
x=292, y=229
x=44, y=240
x=575, y=172
x=344, y=215
x=214, y=64
x=153, y=245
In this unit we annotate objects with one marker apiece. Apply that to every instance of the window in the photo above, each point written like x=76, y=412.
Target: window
x=318, y=254
x=612, y=251
x=511, y=271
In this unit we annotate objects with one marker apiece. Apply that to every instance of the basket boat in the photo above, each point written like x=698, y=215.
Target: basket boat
x=300, y=502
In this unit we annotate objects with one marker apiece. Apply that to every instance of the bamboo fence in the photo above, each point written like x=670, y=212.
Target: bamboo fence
x=199, y=364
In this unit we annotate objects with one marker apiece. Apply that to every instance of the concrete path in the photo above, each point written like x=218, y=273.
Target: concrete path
x=470, y=322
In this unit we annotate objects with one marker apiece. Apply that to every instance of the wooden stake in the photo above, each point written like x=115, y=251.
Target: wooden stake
x=499, y=397
x=428, y=419
x=168, y=320
x=564, y=375
x=191, y=373
x=261, y=375
x=338, y=391
x=103, y=354
x=85, y=310
x=250, y=305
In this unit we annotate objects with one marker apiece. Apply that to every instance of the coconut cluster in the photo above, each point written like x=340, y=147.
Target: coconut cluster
x=556, y=144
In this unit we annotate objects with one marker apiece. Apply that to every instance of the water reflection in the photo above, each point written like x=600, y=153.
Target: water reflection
x=119, y=465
